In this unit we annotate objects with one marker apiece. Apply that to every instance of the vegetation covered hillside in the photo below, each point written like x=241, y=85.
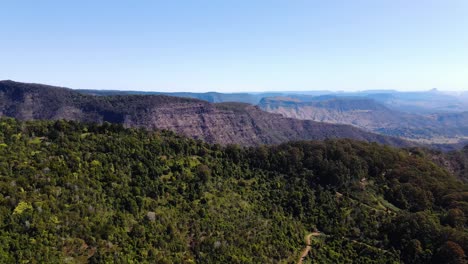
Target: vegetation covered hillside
x=456, y=161
x=76, y=193
x=224, y=123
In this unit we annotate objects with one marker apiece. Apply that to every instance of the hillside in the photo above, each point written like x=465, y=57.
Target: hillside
x=223, y=123
x=76, y=193
x=212, y=97
x=456, y=161
x=370, y=115
x=361, y=112
x=422, y=102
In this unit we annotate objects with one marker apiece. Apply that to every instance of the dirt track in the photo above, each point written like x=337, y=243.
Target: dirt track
x=308, y=247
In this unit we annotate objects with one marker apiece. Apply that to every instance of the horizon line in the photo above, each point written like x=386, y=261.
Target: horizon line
x=253, y=92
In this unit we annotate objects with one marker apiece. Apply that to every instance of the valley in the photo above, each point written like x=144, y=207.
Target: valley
x=174, y=179
x=370, y=115
x=222, y=123
x=427, y=117
x=234, y=132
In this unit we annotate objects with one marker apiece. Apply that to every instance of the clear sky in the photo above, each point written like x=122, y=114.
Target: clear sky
x=238, y=45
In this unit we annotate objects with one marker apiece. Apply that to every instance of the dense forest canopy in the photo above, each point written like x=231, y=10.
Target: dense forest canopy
x=77, y=193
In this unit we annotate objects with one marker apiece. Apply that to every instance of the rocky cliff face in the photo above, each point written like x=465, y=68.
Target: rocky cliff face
x=363, y=113
x=372, y=116
x=223, y=123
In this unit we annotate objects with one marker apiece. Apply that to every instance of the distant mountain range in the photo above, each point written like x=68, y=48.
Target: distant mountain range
x=423, y=102
x=432, y=116
x=374, y=116
x=223, y=123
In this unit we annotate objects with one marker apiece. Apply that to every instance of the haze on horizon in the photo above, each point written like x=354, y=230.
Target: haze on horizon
x=237, y=46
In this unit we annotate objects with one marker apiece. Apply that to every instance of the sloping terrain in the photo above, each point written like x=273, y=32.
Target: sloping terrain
x=370, y=115
x=455, y=161
x=223, y=123
x=87, y=193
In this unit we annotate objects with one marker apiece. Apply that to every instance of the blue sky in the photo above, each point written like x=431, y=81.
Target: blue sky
x=242, y=45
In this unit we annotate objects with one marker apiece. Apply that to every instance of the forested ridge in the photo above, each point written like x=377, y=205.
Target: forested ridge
x=223, y=123
x=86, y=193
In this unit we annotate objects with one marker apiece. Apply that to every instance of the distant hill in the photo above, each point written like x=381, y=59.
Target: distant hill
x=212, y=97
x=422, y=102
x=223, y=123
x=373, y=116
